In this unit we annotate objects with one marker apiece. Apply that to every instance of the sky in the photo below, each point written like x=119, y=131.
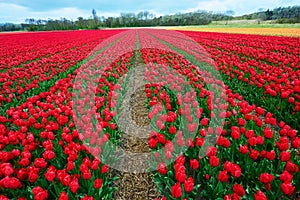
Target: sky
x=16, y=11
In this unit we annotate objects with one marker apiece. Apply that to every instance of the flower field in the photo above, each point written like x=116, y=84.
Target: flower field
x=223, y=113
x=290, y=32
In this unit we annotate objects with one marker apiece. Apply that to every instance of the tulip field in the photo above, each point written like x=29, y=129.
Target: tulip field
x=223, y=109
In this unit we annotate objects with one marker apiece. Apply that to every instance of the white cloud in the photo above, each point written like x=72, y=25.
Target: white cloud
x=17, y=14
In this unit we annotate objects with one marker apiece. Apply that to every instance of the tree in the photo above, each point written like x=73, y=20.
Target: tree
x=109, y=22
x=229, y=14
x=32, y=24
x=123, y=19
x=140, y=15
x=146, y=15
x=96, y=20
x=80, y=22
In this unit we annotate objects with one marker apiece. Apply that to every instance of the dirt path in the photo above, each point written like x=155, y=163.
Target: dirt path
x=135, y=186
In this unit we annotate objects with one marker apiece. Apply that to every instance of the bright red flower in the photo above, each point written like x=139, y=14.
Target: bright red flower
x=291, y=167
x=152, y=142
x=252, y=141
x=63, y=196
x=180, y=176
x=243, y=149
x=50, y=174
x=236, y=171
x=211, y=151
x=235, y=132
x=228, y=166
x=39, y=193
x=98, y=183
x=172, y=130
x=287, y=188
x=74, y=185
x=104, y=169
x=285, y=156
x=6, y=169
x=176, y=190
x=254, y=154
x=95, y=164
x=162, y=168
x=259, y=195
x=203, y=132
x=268, y=133
x=296, y=143
x=200, y=141
x=214, y=161
x=260, y=140
x=40, y=163
x=271, y=155
x=48, y=155
x=238, y=189
x=266, y=178
x=207, y=176
x=223, y=176
x=204, y=122
x=241, y=122
x=286, y=177
x=189, y=184
x=10, y=183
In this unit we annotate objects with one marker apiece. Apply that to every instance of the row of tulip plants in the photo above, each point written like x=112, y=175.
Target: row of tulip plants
x=42, y=152
x=264, y=69
x=236, y=167
x=35, y=62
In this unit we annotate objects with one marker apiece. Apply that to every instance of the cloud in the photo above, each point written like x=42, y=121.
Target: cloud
x=20, y=13
x=17, y=14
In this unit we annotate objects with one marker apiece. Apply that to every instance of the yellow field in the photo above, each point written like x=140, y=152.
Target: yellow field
x=292, y=32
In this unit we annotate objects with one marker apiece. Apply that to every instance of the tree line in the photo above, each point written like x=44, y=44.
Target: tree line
x=146, y=18
x=289, y=14
x=141, y=19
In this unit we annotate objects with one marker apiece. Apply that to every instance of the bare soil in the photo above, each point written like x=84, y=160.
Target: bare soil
x=136, y=186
